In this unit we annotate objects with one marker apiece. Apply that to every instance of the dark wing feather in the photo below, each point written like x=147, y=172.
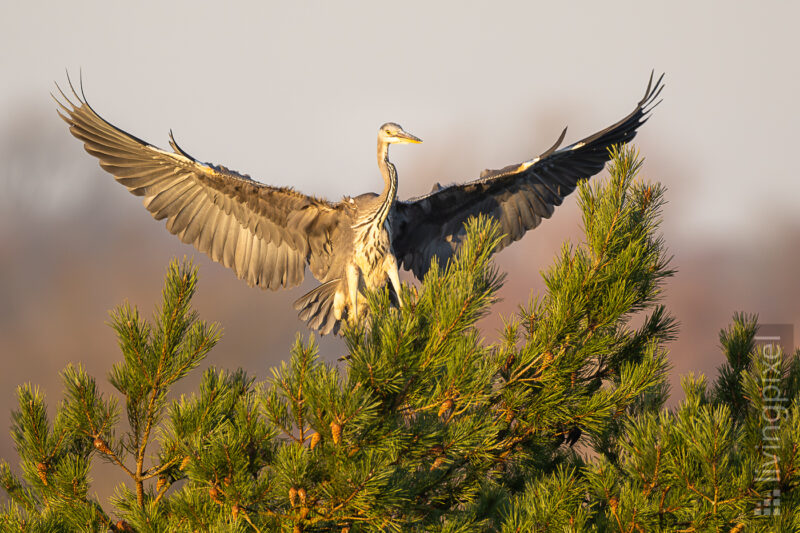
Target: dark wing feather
x=518, y=196
x=265, y=234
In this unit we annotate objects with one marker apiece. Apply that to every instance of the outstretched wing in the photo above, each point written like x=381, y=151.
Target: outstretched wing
x=518, y=196
x=265, y=234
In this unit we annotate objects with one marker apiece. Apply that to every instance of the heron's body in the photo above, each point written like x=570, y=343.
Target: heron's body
x=269, y=235
x=371, y=263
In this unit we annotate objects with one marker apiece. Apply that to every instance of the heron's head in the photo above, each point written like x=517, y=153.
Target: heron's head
x=391, y=133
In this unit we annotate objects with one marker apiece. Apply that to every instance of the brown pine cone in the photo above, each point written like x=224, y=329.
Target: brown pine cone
x=336, y=432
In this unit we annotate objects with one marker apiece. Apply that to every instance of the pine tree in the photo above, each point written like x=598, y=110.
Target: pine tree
x=424, y=426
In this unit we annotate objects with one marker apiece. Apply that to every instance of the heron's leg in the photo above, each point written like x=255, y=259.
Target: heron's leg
x=390, y=264
x=339, y=304
x=352, y=292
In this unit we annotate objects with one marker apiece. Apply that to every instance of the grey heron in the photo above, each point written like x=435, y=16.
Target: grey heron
x=268, y=235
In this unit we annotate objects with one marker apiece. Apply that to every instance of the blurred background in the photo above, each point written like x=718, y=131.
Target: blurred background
x=293, y=94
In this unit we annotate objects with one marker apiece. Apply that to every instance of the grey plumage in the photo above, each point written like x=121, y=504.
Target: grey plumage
x=519, y=196
x=268, y=235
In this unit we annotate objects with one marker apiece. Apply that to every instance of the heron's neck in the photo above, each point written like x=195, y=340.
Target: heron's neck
x=389, y=174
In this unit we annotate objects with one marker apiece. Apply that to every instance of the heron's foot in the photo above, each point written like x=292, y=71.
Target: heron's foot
x=357, y=314
x=363, y=310
x=394, y=298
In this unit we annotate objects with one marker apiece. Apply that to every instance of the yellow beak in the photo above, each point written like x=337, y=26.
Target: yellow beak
x=405, y=137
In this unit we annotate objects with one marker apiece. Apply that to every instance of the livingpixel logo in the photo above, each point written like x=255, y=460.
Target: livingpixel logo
x=772, y=341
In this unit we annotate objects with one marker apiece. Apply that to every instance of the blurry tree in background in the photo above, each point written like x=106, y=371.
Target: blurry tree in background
x=561, y=426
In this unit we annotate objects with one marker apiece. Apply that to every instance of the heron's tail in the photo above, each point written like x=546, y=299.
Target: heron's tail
x=316, y=307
